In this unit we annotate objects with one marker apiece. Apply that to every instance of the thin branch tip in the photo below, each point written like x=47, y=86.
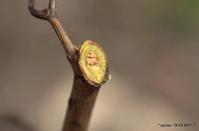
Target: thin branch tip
x=42, y=14
x=52, y=5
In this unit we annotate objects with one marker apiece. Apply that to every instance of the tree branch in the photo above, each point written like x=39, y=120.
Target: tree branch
x=90, y=69
x=49, y=14
x=80, y=106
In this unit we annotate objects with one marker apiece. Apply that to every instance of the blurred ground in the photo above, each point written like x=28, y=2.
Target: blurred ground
x=153, y=52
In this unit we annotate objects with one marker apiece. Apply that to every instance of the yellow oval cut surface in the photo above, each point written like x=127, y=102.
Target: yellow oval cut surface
x=93, y=62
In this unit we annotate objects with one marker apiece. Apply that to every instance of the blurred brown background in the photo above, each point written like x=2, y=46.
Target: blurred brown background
x=153, y=51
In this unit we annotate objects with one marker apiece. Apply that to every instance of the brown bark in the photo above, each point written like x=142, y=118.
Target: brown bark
x=83, y=96
x=80, y=106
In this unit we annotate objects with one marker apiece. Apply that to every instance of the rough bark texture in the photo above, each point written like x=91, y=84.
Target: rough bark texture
x=80, y=106
x=83, y=94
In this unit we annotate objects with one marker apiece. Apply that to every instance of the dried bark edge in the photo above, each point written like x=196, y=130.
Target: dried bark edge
x=106, y=76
